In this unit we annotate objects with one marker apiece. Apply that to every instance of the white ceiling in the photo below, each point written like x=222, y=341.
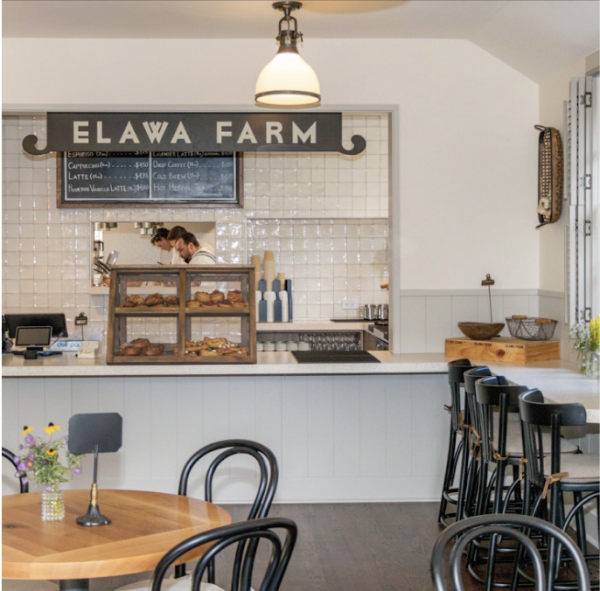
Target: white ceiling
x=536, y=37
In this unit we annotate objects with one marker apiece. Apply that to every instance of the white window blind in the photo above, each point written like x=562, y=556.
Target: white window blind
x=582, y=157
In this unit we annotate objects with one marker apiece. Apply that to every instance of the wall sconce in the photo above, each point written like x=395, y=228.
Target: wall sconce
x=287, y=80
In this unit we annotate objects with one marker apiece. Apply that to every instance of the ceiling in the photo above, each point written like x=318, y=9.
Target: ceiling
x=536, y=37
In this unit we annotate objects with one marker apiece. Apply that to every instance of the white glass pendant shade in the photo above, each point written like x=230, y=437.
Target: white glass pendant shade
x=287, y=80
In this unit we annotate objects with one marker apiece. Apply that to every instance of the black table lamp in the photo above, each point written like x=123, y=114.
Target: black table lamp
x=95, y=433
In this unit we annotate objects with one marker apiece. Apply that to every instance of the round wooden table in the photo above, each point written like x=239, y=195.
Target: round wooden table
x=144, y=526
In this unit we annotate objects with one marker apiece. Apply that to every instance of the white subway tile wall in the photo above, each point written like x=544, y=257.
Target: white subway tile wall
x=328, y=261
x=46, y=250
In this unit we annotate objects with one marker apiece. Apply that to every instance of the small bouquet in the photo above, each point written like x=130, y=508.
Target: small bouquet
x=40, y=457
x=586, y=344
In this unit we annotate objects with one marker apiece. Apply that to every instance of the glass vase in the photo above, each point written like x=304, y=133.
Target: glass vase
x=53, y=505
x=592, y=365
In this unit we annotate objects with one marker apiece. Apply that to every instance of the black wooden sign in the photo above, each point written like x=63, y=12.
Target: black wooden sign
x=194, y=132
x=100, y=179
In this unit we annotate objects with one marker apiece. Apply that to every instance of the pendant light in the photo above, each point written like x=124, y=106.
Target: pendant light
x=287, y=80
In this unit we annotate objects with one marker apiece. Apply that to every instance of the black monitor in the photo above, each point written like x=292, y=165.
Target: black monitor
x=56, y=321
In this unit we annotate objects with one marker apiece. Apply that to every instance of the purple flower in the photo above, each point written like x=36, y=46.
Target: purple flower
x=22, y=466
x=16, y=459
x=25, y=480
x=21, y=447
x=77, y=470
x=32, y=456
x=48, y=488
x=18, y=475
x=29, y=440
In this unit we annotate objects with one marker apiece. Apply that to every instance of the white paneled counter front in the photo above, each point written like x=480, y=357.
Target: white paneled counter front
x=341, y=432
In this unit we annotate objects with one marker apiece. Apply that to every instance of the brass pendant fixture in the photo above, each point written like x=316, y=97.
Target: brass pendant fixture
x=287, y=80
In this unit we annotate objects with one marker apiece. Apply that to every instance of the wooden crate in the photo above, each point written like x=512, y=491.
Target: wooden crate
x=503, y=349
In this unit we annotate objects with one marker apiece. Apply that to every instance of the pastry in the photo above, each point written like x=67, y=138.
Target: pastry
x=519, y=317
x=131, y=351
x=234, y=295
x=217, y=296
x=543, y=321
x=136, y=300
x=193, y=304
x=154, y=300
x=224, y=304
x=153, y=350
x=127, y=304
x=208, y=304
x=140, y=343
x=172, y=300
x=240, y=304
x=214, y=343
x=208, y=353
x=202, y=296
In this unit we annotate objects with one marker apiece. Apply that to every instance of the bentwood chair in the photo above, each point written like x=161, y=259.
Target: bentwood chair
x=267, y=485
x=10, y=456
x=12, y=584
x=457, y=444
x=506, y=525
x=558, y=473
x=249, y=534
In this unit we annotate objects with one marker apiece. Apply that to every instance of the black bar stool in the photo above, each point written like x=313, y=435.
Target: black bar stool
x=473, y=473
x=558, y=472
x=457, y=447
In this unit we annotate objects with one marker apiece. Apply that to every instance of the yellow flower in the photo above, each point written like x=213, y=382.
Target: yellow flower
x=51, y=428
x=51, y=452
x=26, y=430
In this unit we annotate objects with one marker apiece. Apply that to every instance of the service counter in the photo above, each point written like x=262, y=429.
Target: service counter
x=368, y=432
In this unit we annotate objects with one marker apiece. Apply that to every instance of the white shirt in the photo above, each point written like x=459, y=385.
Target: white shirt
x=202, y=257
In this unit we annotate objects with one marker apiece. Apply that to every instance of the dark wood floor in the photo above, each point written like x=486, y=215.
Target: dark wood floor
x=350, y=547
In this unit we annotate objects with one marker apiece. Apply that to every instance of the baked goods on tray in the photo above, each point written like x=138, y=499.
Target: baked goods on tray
x=154, y=300
x=213, y=347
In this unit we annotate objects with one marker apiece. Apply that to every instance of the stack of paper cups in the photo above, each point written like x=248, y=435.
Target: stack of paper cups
x=269, y=268
x=255, y=262
x=270, y=297
x=285, y=311
x=281, y=277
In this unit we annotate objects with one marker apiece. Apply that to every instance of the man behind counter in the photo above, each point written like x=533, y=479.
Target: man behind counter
x=175, y=233
x=191, y=252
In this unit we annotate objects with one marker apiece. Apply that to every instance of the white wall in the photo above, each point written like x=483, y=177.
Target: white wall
x=468, y=157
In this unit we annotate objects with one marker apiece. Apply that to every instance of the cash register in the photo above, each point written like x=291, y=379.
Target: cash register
x=33, y=332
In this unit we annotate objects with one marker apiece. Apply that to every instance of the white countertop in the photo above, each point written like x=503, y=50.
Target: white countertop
x=268, y=364
x=558, y=380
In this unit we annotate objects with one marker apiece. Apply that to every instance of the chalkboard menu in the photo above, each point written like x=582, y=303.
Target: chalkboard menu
x=161, y=179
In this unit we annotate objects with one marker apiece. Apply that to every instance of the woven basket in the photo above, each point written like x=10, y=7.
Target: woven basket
x=531, y=329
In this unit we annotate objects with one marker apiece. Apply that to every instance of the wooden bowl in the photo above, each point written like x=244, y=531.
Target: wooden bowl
x=481, y=331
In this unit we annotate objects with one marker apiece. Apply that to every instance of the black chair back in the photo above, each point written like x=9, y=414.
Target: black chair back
x=8, y=455
x=509, y=525
x=535, y=414
x=491, y=392
x=269, y=477
x=456, y=371
x=254, y=532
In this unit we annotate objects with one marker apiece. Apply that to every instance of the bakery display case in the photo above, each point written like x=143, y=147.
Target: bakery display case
x=182, y=314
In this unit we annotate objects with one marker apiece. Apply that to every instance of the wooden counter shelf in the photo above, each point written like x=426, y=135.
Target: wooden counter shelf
x=214, y=311
x=153, y=311
x=187, y=323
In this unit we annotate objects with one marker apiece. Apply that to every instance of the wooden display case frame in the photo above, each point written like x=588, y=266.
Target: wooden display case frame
x=117, y=315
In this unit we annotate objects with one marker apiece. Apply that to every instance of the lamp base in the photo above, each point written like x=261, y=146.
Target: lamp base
x=289, y=4
x=93, y=517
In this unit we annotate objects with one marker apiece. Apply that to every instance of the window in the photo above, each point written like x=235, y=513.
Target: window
x=582, y=191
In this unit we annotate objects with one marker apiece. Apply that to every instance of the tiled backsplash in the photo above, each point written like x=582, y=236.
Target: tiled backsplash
x=328, y=260
x=334, y=208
